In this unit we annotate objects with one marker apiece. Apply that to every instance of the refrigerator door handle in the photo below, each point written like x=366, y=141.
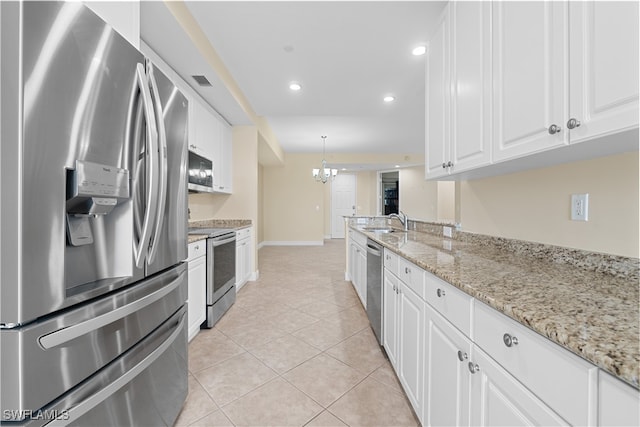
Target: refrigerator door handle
x=76, y=412
x=152, y=173
x=67, y=334
x=162, y=162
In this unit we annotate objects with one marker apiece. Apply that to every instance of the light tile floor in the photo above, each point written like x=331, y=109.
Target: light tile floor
x=296, y=349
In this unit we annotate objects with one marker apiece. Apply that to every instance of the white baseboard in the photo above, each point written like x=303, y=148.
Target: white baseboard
x=261, y=245
x=254, y=276
x=293, y=243
x=347, y=278
x=327, y=237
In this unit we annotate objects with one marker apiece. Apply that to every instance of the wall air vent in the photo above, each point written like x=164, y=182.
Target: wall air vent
x=201, y=80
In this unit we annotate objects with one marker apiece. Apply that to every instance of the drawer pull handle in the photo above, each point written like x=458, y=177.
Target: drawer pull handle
x=473, y=367
x=440, y=293
x=407, y=270
x=509, y=340
x=462, y=356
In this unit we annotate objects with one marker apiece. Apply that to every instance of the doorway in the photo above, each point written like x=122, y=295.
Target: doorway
x=343, y=203
x=389, y=195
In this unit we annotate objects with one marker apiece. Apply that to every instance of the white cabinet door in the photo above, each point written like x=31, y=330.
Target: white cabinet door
x=498, y=399
x=411, y=345
x=604, y=67
x=390, y=317
x=530, y=74
x=438, y=96
x=240, y=264
x=619, y=403
x=225, y=160
x=200, y=127
x=446, y=376
x=362, y=275
x=471, y=85
x=197, y=285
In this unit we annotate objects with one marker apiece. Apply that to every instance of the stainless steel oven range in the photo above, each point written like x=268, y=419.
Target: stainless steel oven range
x=221, y=272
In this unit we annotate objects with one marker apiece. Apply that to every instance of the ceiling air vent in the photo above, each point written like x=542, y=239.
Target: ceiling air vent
x=201, y=80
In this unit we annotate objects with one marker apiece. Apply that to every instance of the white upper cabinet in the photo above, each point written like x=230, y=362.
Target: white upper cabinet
x=437, y=102
x=471, y=85
x=517, y=85
x=530, y=71
x=604, y=67
x=223, y=164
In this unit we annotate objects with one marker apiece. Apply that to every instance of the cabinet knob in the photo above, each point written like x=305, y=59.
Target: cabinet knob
x=387, y=257
x=553, y=129
x=509, y=340
x=450, y=164
x=440, y=292
x=573, y=123
x=407, y=270
x=444, y=166
x=197, y=247
x=473, y=367
x=462, y=356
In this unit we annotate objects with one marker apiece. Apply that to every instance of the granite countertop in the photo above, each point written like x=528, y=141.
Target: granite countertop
x=236, y=224
x=593, y=314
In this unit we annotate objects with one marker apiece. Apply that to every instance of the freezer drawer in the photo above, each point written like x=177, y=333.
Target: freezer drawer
x=145, y=387
x=43, y=360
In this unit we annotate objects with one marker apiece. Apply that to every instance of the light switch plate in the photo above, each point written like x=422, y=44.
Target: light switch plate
x=580, y=207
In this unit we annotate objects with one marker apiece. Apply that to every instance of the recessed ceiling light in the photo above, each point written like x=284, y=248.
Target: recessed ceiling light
x=344, y=169
x=397, y=166
x=419, y=50
x=294, y=86
x=389, y=98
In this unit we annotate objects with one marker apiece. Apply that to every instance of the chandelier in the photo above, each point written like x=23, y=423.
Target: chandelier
x=323, y=173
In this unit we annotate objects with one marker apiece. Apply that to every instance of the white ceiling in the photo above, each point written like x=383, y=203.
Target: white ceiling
x=347, y=55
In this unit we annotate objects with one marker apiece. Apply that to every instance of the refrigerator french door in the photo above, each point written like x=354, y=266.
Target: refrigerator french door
x=93, y=224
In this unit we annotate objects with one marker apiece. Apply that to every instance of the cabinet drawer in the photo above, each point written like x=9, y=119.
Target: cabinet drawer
x=391, y=261
x=197, y=249
x=412, y=276
x=561, y=379
x=450, y=301
x=243, y=233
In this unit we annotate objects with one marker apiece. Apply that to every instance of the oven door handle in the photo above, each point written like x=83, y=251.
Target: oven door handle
x=215, y=243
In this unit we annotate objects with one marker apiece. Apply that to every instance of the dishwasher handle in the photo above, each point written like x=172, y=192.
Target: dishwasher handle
x=374, y=250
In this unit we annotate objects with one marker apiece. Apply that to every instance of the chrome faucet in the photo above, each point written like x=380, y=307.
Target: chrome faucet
x=402, y=217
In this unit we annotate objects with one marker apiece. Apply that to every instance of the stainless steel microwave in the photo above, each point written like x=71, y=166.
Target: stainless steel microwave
x=200, y=173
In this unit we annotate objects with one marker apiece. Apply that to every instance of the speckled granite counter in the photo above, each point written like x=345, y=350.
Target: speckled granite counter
x=593, y=314
x=215, y=223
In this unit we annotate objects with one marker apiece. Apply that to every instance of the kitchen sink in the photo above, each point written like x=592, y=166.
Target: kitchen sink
x=380, y=229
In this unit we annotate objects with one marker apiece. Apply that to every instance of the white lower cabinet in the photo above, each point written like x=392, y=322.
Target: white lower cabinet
x=197, y=287
x=358, y=264
x=499, y=399
x=618, y=403
x=390, y=317
x=244, y=256
x=403, y=335
x=462, y=362
x=446, y=376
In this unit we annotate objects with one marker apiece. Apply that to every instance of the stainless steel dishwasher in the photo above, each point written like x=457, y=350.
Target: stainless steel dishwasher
x=374, y=287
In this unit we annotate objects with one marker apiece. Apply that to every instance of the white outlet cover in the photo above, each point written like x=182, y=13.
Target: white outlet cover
x=446, y=231
x=580, y=207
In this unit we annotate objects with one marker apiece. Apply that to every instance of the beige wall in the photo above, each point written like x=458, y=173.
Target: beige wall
x=260, y=233
x=446, y=201
x=293, y=202
x=418, y=198
x=366, y=193
x=535, y=205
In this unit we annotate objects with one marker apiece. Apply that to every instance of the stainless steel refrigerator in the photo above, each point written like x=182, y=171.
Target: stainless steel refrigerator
x=93, y=224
